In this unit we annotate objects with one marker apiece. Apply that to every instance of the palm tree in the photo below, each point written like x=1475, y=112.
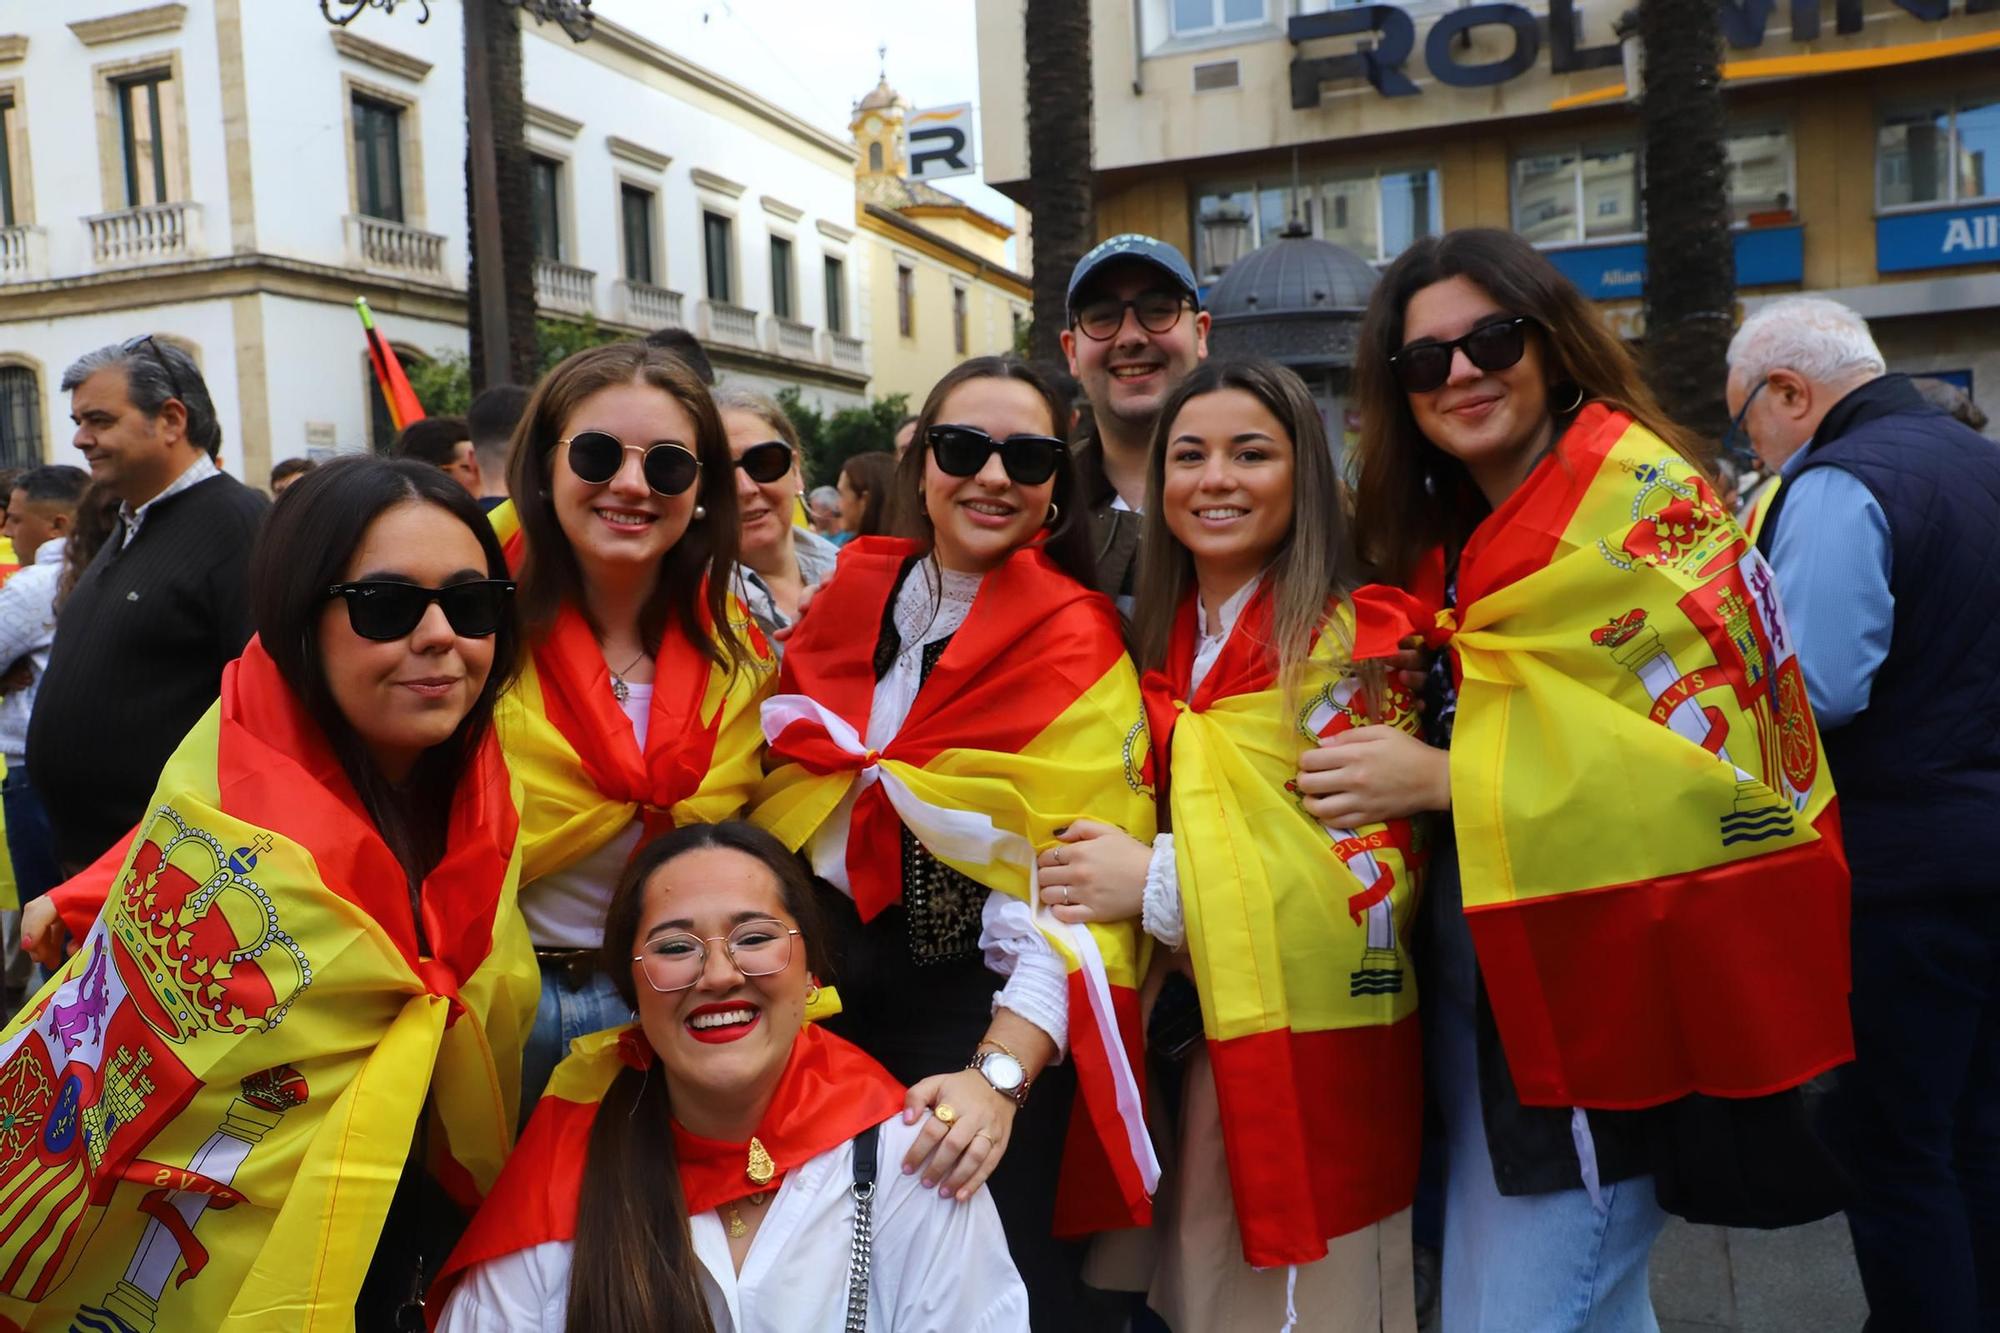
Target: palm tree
x=496, y=114
x=1061, y=192
x=1690, y=265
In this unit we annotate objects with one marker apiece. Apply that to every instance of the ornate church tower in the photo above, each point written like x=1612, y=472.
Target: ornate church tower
x=877, y=127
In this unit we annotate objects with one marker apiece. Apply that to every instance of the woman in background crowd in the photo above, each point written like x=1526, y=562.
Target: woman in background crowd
x=864, y=494
x=777, y=560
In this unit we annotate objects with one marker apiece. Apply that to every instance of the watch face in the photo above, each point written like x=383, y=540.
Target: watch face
x=1002, y=1070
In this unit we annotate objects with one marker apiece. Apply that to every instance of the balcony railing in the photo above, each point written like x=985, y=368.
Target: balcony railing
x=565, y=287
x=23, y=254
x=645, y=306
x=729, y=324
x=152, y=234
x=849, y=352
x=378, y=243
x=793, y=339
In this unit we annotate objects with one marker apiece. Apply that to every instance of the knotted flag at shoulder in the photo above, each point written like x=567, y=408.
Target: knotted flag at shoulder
x=1031, y=720
x=1646, y=829
x=1299, y=936
x=204, y=1115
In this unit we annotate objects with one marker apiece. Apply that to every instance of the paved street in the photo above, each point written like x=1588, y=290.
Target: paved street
x=1801, y=1280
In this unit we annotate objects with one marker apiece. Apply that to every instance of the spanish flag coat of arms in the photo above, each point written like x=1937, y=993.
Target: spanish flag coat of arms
x=1647, y=833
x=1031, y=720
x=204, y=1115
x=1299, y=938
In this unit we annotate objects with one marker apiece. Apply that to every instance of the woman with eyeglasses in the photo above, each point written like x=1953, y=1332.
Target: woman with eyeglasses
x=636, y=711
x=1637, y=894
x=777, y=560
x=295, y=1029
x=723, y=1164
x=954, y=698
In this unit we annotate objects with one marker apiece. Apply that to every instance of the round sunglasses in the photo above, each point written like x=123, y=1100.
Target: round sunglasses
x=596, y=455
x=387, y=609
x=1424, y=366
x=765, y=463
x=1158, y=312
x=961, y=451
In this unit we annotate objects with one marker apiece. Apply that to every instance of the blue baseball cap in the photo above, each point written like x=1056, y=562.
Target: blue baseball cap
x=1134, y=246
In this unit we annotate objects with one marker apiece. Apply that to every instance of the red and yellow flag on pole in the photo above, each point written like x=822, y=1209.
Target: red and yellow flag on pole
x=1299, y=937
x=204, y=1115
x=396, y=391
x=1647, y=833
x=1030, y=721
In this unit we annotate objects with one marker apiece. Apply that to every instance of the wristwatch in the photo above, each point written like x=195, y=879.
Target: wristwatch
x=1004, y=1070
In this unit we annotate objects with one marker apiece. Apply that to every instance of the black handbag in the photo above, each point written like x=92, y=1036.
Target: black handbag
x=1746, y=1161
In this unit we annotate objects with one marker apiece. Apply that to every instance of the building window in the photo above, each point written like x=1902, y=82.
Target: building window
x=141, y=136
x=1377, y=214
x=378, y=159
x=874, y=157
x=782, y=304
x=1761, y=190
x=1577, y=192
x=636, y=212
x=20, y=417
x=958, y=320
x=1194, y=17
x=545, y=201
x=836, y=294
x=906, y=300
x=1944, y=152
x=716, y=246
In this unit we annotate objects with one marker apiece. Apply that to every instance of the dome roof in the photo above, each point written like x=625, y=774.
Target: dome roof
x=1292, y=275
x=883, y=97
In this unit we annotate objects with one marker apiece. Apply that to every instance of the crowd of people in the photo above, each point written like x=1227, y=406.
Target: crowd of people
x=1112, y=862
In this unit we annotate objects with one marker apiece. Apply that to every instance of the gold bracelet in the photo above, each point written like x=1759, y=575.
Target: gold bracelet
x=1001, y=1047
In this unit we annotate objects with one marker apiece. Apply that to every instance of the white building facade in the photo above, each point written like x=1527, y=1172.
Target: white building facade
x=232, y=175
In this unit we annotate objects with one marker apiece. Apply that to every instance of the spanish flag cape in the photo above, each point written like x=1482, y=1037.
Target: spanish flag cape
x=830, y=1091
x=1299, y=938
x=204, y=1114
x=1647, y=836
x=583, y=775
x=1030, y=721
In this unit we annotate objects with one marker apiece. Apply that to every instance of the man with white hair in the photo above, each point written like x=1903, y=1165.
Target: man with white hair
x=1885, y=536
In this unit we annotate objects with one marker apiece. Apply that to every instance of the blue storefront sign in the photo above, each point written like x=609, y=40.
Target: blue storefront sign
x=1947, y=238
x=1765, y=257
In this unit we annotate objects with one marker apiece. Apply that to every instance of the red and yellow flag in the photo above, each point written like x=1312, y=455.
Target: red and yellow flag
x=395, y=385
x=204, y=1115
x=1299, y=936
x=1646, y=830
x=1031, y=720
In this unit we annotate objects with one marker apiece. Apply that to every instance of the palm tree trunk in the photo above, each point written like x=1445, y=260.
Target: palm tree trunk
x=493, y=54
x=1060, y=188
x=1690, y=264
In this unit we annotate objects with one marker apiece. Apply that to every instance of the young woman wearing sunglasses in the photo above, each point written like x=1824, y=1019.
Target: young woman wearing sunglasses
x=1631, y=900
x=777, y=560
x=295, y=1029
x=637, y=710
x=700, y=1169
x=954, y=697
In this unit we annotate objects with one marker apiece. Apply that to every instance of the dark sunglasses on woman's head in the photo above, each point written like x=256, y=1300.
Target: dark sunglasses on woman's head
x=961, y=451
x=1424, y=366
x=596, y=455
x=766, y=462
x=386, y=609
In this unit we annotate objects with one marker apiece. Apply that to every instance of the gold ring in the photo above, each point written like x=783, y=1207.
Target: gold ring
x=982, y=1134
x=944, y=1113
x=1069, y=899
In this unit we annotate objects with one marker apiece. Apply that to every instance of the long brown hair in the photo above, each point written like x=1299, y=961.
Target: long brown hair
x=633, y=1268
x=1314, y=562
x=1411, y=496
x=1068, y=542
x=871, y=474
x=694, y=574
x=96, y=519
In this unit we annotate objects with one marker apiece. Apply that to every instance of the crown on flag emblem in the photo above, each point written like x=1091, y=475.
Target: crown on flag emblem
x=202, y=937
x=1619, y=628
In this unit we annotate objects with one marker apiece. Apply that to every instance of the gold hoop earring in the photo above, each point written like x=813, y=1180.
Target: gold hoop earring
x=1055, y=512
x=812, y=989
x=1575, y=402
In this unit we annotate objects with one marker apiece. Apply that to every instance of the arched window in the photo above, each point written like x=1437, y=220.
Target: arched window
x=20, y=417
x=874, y=157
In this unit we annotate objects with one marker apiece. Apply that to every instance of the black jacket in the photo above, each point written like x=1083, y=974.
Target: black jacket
x=1114, y=533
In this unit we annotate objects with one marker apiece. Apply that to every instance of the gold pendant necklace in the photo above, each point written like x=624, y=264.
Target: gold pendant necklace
x=758, y=1169
x=738, y=1228
x=619, y=689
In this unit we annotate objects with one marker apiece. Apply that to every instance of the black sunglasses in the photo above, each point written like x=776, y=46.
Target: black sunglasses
x=1736, y=440
x=1158, y=312
x=386, y=609
x=1424, y=366
x=766, y=462
x=961, y=451
x=596, y=455
x=144, y=342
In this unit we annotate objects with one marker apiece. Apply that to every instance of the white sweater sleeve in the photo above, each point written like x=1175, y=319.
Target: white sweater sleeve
x=940, y=1266
x=1037, y=986
x=525, y=1289
x=1160, y=910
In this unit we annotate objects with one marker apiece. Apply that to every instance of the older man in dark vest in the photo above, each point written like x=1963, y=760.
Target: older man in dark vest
x=1885, y=537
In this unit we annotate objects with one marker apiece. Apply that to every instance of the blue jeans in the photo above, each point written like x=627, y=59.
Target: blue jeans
x=30, y=845
x=1534, y=1263
x=568, y=1010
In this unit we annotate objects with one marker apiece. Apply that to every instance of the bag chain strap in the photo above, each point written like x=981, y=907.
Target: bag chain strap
x=861, y=1248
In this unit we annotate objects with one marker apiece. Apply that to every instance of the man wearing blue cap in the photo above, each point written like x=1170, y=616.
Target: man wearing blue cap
x=1136, y=330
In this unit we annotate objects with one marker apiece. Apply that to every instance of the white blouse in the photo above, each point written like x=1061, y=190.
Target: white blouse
x=938, y=1266
x=929, y=608
x=565, y=908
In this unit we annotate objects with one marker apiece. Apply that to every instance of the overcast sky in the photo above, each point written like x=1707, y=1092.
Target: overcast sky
x=816, y=58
